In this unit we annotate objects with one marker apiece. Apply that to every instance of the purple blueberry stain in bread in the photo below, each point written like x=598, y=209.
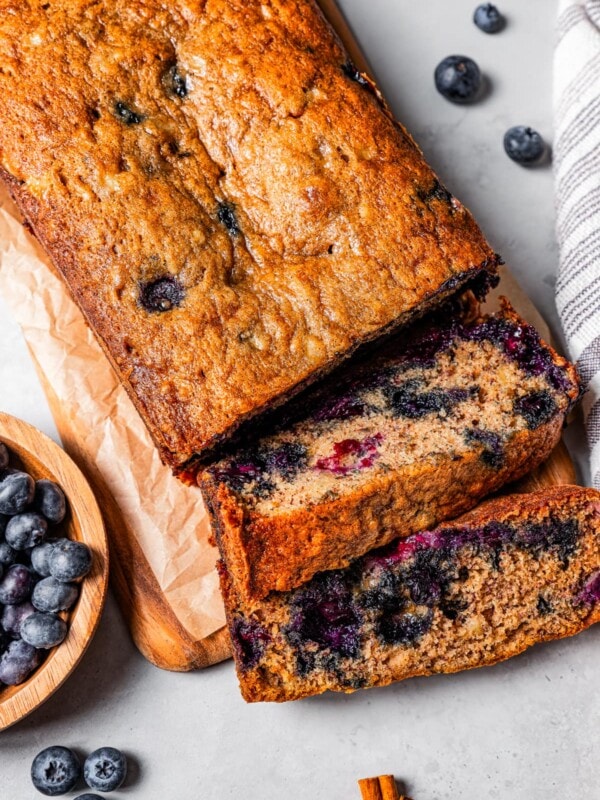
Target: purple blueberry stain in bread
x=407, y=400
x=162, y=294
x=249, y=639
x=492, y=453
x=325, y=614
x=351, y=455
x=590, y=593
x=287, y=459
x=405, y=629
x=339, y=408
x=536, y=408
x=127, y=115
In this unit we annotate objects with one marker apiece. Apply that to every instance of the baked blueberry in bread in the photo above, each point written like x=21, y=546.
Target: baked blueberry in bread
x=517, y=570
x=226, y=195
x=414, y=435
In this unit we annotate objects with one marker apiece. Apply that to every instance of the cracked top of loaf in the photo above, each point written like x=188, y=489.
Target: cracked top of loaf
x=227, y=197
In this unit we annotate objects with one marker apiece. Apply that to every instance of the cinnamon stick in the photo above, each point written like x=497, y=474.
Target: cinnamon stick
x=381, y=788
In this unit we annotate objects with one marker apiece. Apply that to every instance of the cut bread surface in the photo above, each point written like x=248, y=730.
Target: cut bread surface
x=517, y=570
x=418, y=434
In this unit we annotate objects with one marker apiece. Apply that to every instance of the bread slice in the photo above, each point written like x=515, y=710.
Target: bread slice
x=227, y=197
x=517, y=570
x=416, y=435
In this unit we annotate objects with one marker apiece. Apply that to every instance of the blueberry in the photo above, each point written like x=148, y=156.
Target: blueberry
x=88, y=796
x=458, y=79
x=3, y=455
x=49, y=500
x=13, y=617
x=16, y=492
x=126, y=114
x=40, y=557
x=174, y=82
x=52, y=595
x=8, y=555
x=162, y=294
x=26, y=530
x=488, y=18
x=105, y=769
x=43, y=631
x=17, y=662
x=524, y=145
x=226, y=214
x=55, y=771
x=69, y=561
x=536, y=408
x=249, y=640
x=351, y=71
x=16, y=585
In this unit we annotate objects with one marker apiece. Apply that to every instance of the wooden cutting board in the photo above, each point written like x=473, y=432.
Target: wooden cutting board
x=155, y=628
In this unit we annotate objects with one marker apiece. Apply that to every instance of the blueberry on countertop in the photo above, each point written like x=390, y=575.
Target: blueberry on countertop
x=55, y=771
x=458, y=79
x=26, y=530
x=105, y=769
x=524, y=145
x=488, y=18
x=43, y=631
x=52, y=596
x=49, y=500
x=88, y=797
x=17, y=662
x=16, y=492
x=69, y=560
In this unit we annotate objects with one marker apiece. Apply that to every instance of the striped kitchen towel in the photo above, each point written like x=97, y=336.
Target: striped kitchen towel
x=577, y=188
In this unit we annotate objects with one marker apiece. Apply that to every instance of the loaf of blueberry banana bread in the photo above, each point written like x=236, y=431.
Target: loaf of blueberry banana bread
x=418, y=434
x=518, y=570
x=227, y=197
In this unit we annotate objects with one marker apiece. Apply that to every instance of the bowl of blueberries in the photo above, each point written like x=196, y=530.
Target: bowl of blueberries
x=53, y=568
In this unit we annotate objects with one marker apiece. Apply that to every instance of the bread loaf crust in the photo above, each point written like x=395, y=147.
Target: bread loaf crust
x=228, y=200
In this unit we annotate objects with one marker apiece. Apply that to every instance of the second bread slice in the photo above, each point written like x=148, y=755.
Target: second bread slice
x=420, y=434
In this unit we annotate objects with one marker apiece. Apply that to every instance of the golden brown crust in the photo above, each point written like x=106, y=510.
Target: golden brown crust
x=454, y=648
x=340, y=230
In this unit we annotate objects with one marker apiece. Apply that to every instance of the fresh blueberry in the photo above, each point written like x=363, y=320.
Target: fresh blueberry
x=18, y=662
x=8, y=555
x=69, y=561
x=40, y=557
x=16, y=492
x=13, y=617
x=105, y=769
x=88, y=796
x=55, y=771
x=43, y=631
x=488, y=18
x=51, y=595
x=524, y=145
x=16, y=585
x=458, y=79
x=3, y=455
x=49, y=500
x=26, y=530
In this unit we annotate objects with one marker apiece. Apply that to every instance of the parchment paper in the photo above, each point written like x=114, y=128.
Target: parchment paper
x=167, y=518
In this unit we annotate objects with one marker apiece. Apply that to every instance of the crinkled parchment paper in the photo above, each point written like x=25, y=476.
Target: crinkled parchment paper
x=167, y=518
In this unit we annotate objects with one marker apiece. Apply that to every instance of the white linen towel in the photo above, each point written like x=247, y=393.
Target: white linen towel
x=577, y=192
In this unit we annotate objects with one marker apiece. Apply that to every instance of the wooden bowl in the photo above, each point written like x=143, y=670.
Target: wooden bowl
x=34, y=452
